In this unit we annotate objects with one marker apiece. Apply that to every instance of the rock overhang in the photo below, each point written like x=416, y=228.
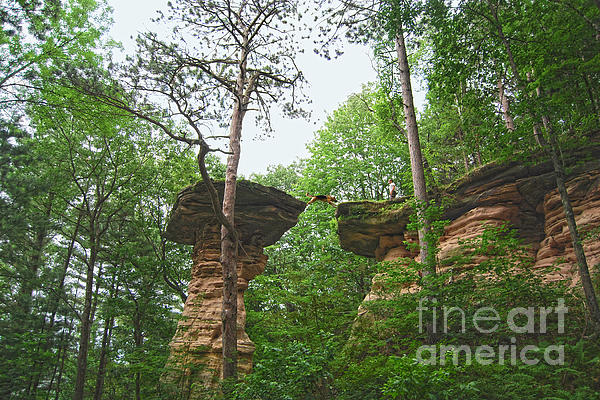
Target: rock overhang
x=363, y=224
x=262, y=214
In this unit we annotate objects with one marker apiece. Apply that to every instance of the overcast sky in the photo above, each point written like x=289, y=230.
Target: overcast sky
x=329, y=84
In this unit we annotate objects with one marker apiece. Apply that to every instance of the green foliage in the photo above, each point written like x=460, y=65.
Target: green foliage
x=78, y=178
x=300, y=310
x=502, y=281
x=541, y=53
x=359, y=149
x=286, y=178
x=293, y=371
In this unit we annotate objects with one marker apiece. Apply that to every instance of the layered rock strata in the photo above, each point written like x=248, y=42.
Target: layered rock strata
x=262, y=215
x=523, y=195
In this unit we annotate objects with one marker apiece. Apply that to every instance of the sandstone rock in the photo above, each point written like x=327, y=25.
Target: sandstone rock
x=523, y=195
x=262, y=215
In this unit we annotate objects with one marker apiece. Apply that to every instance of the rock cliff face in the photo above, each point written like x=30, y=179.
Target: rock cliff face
x=524, y=195
x=262, y=215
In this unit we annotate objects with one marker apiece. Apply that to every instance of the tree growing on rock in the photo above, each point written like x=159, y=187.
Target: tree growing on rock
x=226, y=58
x=386, y=22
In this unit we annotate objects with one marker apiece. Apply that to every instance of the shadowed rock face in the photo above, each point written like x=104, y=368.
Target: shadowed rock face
x=524, y=195
x=262, y=215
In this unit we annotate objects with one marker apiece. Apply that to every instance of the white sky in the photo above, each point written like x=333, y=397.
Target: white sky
x=329, y=84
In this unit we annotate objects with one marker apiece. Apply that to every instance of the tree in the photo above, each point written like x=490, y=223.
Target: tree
x=301, y=310
x=101, y=170
x=357, y=150
x=551, y=103
x=414, y=147
x=240, y=58
x=34, y=37
x=384, y=22
x=548, y=52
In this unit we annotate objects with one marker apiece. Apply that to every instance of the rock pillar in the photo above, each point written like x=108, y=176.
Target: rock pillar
x=197, y=344
x=262, y=216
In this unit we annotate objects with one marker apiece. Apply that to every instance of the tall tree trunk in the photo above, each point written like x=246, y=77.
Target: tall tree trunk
x=588, y=87
x=478, y=152
x=55, y=297
x=584, y=273
x=507, y=46
x=84, y=338
x=61, y=369
x=414, y=148
x=96, y=292
x=106, y=337
x=29, y=280
x=138, y=338
x=38, y=365
x=462, y=149
x=26, y=296
x=459, y=131
x=465, y=160
x=245, y=86
x=63, y=274
x=229, y=247
x=59, y=352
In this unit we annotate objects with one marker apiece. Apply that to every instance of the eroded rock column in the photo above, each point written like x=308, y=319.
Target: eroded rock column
x=197, y=344
x=262, y=216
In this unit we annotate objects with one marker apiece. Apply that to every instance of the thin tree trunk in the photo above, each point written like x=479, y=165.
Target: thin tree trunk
x=559, y=172
x=584, y=273
x=62, y=362
x=84, y=339
x=106, y=337
x=508, y=119
x=65, y=269
x=507, y=46
x=414, y=147
x=36, y=369
x=138, y=338
x=95, y=295
x=61, y=349
x=459, y=133
x=36, y=264
x=28, y=283
x=478, y=153
x=588, y=87
x=229, y=244
x=229, y=248
x=56, y=299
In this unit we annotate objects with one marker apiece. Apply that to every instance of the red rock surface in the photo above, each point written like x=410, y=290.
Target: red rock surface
x=525, y=196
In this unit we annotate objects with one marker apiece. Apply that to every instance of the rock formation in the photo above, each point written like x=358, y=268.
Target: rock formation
x=262, y=215
x=523, y=195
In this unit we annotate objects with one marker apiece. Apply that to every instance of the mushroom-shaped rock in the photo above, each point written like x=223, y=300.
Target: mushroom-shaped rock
x=262, y=216
x=261, y=213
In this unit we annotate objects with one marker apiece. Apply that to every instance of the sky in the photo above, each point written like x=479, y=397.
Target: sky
x=329, y=85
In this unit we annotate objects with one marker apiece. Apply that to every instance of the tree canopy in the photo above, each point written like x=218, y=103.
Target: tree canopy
x=93, y=153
